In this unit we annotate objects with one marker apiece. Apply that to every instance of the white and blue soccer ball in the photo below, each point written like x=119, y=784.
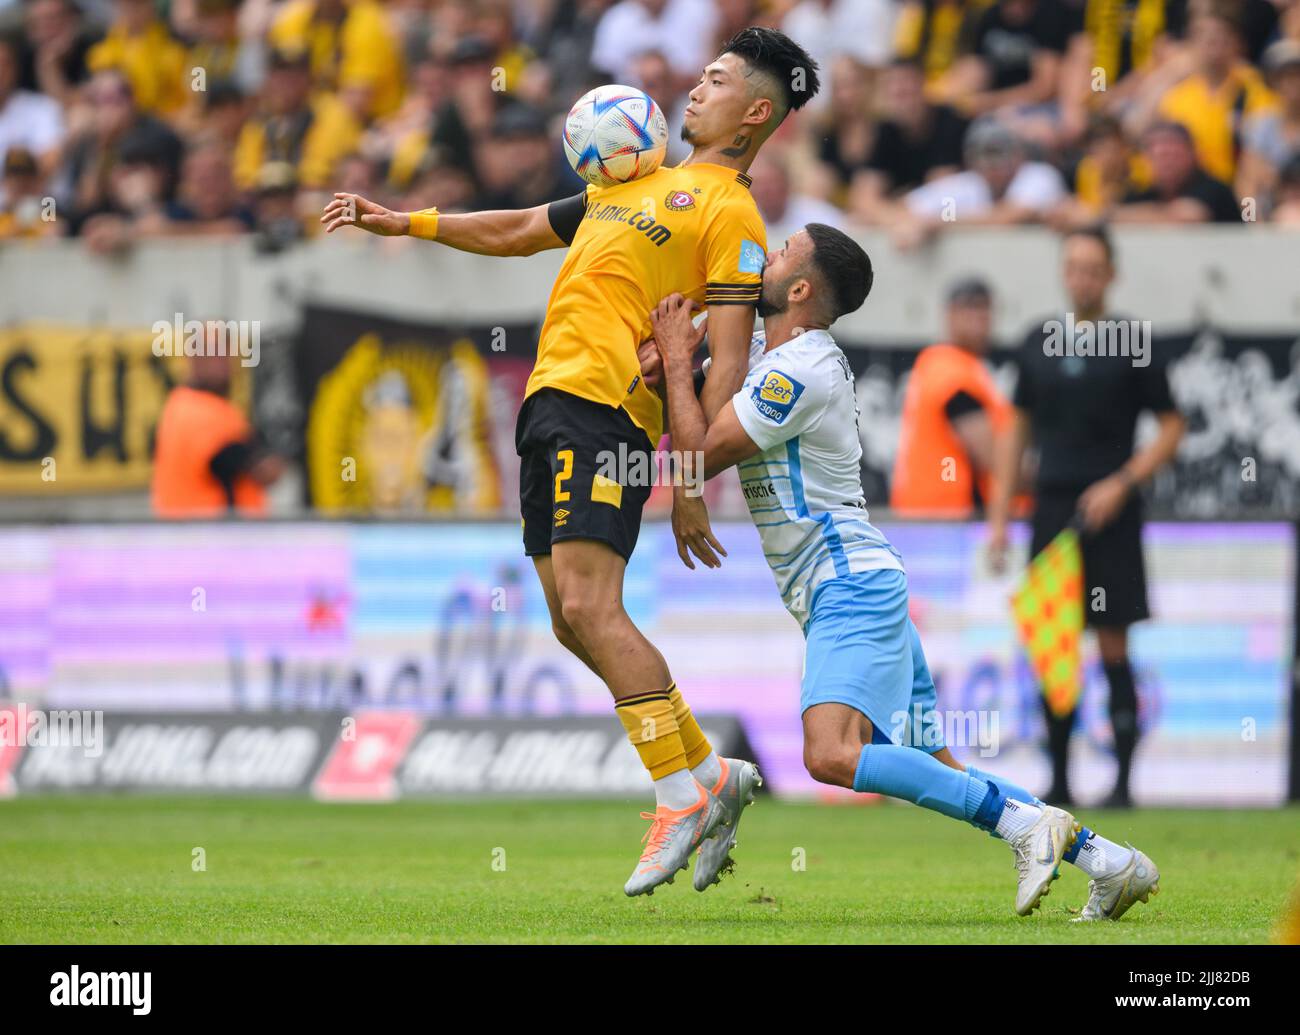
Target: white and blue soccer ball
x=615, y=134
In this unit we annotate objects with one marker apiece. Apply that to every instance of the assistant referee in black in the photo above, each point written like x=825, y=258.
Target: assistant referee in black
x=1081, y=411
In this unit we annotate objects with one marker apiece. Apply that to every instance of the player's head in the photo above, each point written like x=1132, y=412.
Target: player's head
x=748, y=89
x=821, y=271
x=1088, y=267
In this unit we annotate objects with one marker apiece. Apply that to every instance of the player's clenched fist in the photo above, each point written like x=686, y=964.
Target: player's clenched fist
x=354, y=210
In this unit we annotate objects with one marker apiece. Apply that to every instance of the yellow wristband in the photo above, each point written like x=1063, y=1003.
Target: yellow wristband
x=424, y=224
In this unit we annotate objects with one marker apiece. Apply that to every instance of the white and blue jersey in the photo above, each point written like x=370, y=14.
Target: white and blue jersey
x=804, y=489
x=838, y=575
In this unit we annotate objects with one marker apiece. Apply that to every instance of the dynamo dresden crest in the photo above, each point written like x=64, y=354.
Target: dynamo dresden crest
x=679, y=200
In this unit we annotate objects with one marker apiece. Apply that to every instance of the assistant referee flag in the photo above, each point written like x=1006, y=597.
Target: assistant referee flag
x=1048, y=608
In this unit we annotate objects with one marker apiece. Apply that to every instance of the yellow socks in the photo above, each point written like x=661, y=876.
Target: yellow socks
x=694, y=742
x=652, y=728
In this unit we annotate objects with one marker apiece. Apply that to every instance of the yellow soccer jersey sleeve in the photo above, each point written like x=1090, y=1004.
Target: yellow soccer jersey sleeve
x=693, y=230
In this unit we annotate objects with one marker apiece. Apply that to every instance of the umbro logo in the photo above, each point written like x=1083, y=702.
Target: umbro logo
x=561, y=516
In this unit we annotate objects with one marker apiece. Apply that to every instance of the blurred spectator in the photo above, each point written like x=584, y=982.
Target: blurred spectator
x=412, y=97
x=140, y=46
x=1180, y=191
x=655, y=75
x=24, y=210
x=466, y=117
x=847, y=128
x=496, y=26
x=1000, y=187
x=207, y=201
x=352, y=51
x=447, y=187
x=1015, y=58
x=1106, y=62
x=218, y=49
x=1272, y=138
x=28, y=120
x=277, y=219
x=208, y=459
x=117, y=133
x=785, y=212
x=1208, y=89
x=310, y=134
x=141, y=185
x=935, y=33
x=564, y=40
x=682, y=30
x=1286, y=210
x=405, y=135
x=56, y=48
x=224, y=109
x=357, y=173
x=1259, y=20
x=860, y=30
x=953, y=413
x=1108, y=173
x=525, y=163
x=917, y=141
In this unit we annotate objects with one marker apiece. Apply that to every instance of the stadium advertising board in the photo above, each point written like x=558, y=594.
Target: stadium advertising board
x=447, y=621
x=427, y=415
x=369, y=756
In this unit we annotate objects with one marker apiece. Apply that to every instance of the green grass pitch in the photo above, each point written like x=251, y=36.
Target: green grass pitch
x=120, y=870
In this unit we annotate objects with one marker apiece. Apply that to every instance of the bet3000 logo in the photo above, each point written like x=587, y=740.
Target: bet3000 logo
x=775, y=396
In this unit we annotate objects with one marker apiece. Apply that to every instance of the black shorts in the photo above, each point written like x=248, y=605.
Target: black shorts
x=574, y=457
x=1112, y=558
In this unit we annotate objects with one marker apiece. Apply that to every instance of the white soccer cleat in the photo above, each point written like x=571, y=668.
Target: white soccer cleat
x=673, y=835
x=735, y=790
x=1038, y=852
x=1110, y=897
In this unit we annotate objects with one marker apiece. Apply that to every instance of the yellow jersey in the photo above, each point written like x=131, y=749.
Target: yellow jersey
x=692, y=229
x=1215, y=117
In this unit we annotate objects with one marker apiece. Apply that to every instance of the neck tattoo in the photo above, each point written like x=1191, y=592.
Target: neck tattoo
x=738, y=146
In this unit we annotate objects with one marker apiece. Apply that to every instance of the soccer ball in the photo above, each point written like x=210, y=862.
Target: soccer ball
x=615, y=134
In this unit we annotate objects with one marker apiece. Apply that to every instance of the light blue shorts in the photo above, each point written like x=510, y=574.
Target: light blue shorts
x=863, y=651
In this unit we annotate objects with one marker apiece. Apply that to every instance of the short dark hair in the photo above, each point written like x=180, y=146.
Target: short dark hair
x=1096, y=232
x=843, y=267
x=1173, y=129
x=775, y=54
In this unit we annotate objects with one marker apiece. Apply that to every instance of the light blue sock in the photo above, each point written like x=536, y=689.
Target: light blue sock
x=1016, y=793
x=904, y=772
x=1008, y=788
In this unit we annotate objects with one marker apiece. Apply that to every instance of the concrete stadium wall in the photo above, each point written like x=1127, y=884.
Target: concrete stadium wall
x=1245, y=278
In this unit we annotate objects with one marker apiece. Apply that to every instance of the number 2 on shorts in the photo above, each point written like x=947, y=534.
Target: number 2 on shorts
x=565, y=456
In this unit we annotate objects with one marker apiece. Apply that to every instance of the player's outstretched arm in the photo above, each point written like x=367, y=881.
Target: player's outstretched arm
x=524, y=231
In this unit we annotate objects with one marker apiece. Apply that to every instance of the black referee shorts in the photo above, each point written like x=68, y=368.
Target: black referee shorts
x=1112, y=558
x=574, y=457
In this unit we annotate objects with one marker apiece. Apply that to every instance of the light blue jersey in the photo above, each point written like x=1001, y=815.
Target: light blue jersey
x=804, y=489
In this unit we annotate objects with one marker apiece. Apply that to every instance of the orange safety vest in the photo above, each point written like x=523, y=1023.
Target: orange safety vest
x=196, y=425
x=933, y=476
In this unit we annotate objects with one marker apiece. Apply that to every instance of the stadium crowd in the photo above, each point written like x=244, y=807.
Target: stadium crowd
x=124, y=119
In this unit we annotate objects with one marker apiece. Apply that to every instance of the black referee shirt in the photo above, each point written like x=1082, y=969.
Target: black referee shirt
x=1084, y=409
